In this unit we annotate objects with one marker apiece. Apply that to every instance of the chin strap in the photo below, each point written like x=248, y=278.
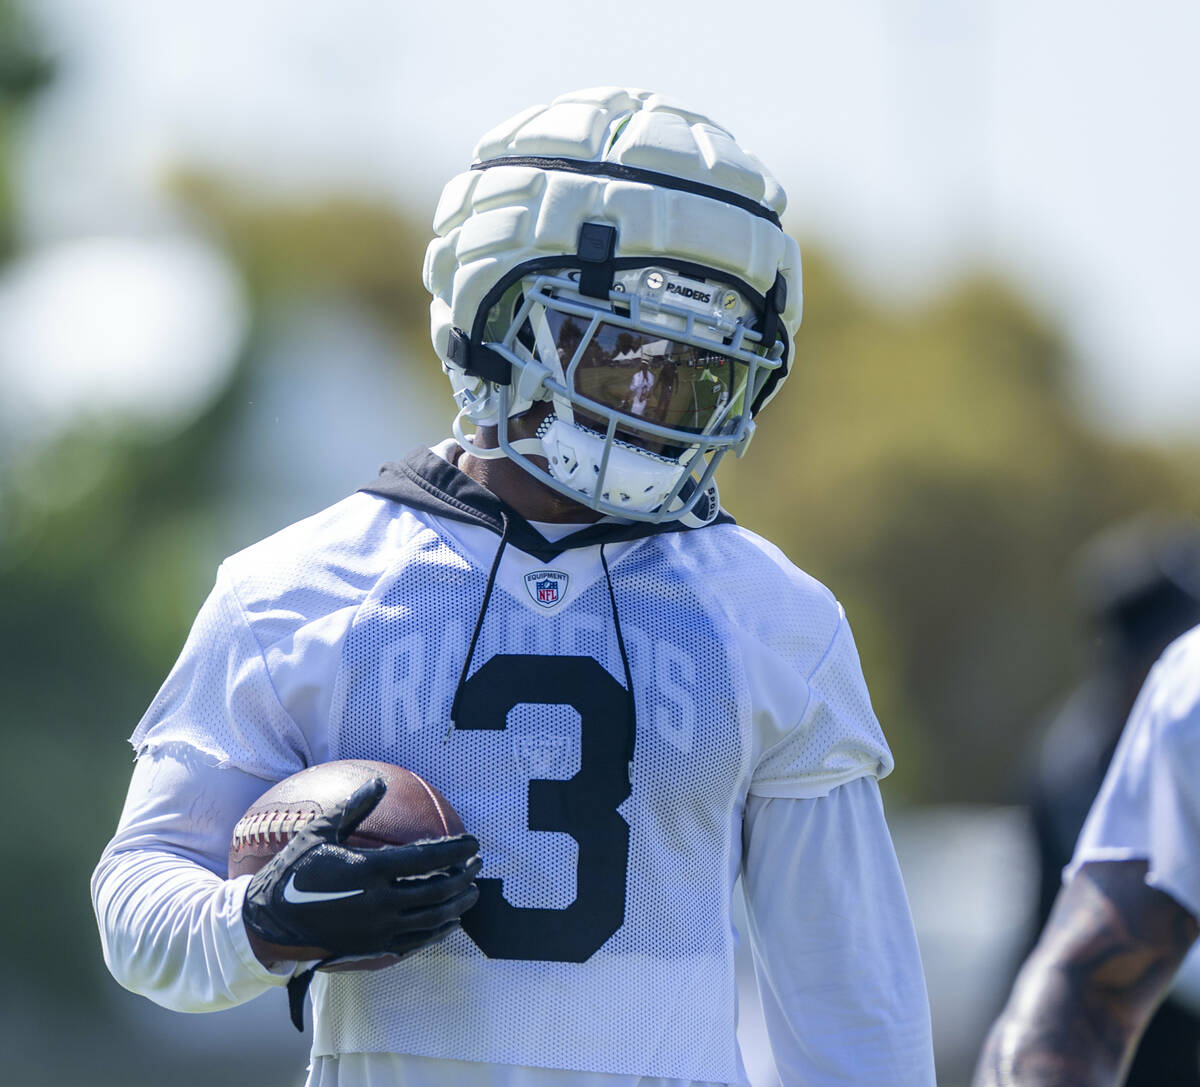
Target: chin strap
x=529, y=447
x=704, y=512
x=468, y=444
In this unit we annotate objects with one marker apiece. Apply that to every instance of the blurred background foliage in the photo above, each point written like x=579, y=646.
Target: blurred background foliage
x=928, y=461
x=25, y=68
x=932, y=466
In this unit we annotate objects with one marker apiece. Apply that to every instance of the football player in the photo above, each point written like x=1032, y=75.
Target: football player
x=630, y=699
x=1139, y=590
x=1127, y=913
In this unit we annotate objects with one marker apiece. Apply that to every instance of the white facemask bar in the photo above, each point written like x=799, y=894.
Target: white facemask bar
x=732, y=338
x=702, y=450
x=534, y=380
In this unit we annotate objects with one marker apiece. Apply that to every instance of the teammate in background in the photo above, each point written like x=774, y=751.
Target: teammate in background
x=629, y=698
x=1126, y=915
x=1139, y=586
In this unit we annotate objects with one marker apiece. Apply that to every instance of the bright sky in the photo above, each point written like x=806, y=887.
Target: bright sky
x=915, y=136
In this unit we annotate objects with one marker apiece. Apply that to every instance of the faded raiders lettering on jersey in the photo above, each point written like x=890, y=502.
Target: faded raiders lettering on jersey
x=577, y=848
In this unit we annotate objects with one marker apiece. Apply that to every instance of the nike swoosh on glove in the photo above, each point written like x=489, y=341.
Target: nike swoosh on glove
x=319, y=898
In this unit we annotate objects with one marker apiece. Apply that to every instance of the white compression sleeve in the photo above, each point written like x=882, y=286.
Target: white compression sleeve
x=170, y=925
x=834, y=946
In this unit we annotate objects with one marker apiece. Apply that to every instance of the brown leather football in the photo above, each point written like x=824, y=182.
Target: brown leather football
x=411, y=810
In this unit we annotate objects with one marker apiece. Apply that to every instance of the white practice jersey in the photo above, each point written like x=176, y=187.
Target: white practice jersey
x=1149, y=805
x=610, y=821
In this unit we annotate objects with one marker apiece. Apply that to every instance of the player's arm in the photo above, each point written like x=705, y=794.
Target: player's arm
x=175, y=930
x=1084, y=996
x=835, y=951
x=170, y=924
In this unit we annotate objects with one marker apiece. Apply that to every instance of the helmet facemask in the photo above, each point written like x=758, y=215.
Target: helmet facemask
x=648, y=387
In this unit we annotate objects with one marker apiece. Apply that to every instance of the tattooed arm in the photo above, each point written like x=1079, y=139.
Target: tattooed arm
x=1084, y=996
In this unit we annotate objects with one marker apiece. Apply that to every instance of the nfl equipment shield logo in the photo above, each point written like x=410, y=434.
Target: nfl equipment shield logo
x=546, y=587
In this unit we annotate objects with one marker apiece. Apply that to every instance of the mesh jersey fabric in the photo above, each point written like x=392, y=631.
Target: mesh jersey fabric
x=1148, y=807
x=343, y=637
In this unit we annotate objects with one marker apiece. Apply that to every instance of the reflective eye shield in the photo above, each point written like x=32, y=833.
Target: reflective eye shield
x=667, y=364
x=475, y=354
x=646, y=377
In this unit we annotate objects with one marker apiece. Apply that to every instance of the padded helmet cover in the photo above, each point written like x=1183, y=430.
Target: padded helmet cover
x=490, y=222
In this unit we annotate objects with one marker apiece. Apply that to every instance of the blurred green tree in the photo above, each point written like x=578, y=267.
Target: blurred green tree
x=25, y=69
x=932, y=466
x=330, y=245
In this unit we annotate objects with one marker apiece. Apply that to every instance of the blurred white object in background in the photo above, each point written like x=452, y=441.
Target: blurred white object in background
x=141, y=330
x=971, y=874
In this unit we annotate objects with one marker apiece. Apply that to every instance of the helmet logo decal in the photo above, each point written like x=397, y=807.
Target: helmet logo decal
x=693, y=294
x=546, y=587
x=674, y=287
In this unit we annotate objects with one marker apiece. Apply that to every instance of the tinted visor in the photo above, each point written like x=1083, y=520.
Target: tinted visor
x=645, y=376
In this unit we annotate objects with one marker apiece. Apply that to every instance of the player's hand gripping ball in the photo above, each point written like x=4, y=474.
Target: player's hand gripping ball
x=353, y=860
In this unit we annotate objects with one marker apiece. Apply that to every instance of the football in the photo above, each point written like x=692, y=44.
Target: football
x=411, y=810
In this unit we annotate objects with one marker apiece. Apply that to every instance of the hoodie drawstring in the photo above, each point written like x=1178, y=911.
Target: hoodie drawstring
x=631, y=739
x=487, y=596
x=612, y=600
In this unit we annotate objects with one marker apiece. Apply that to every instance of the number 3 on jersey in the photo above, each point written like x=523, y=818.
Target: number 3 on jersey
x=584, y=806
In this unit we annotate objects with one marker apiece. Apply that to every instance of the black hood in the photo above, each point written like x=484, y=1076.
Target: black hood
x=424, y=481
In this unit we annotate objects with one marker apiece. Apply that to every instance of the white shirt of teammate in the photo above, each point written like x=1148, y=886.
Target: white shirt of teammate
x=1148, y=807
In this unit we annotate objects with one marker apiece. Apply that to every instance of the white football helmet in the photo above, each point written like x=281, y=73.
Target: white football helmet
x=620, y=258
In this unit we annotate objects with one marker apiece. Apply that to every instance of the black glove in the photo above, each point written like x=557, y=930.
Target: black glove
x=320, y=899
